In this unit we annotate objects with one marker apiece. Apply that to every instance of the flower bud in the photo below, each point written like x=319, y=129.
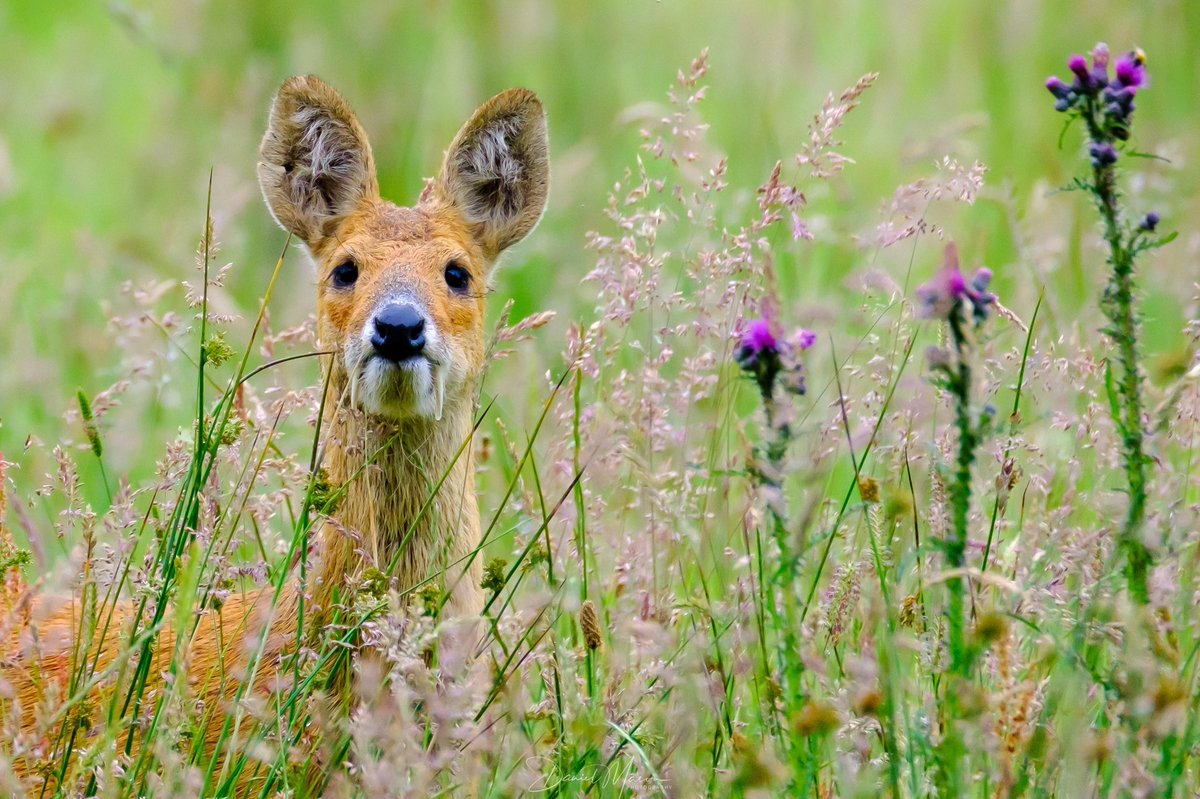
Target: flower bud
x=1057, y=87
x=1102, y=154
x=1078, y=65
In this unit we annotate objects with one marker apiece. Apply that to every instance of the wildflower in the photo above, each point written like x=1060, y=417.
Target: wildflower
x=1107, y=103
x=231, y=432
x=19, y=559
x=942, y=296
x=1118, y=108
x=493, y=575
x=758, y=354
x=325, y=495
x=429, y=598
x=537, y=556
x=374, y=583
x=1102, y=153
x=217, y=351
x=764, y=356
x=758, y=341
x=1078, y=65
x=1063, y=94
x=1100, y=64
x=1131, y=69
x=1106, y=107
x=1058, y=87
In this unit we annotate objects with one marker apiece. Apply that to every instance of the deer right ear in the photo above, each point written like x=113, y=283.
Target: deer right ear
x=497, y=171
x=315, y=162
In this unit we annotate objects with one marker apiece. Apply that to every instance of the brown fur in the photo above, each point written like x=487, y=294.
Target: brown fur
x=318, y=178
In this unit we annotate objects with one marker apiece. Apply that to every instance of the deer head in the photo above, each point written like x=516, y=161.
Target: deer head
x=400, y=291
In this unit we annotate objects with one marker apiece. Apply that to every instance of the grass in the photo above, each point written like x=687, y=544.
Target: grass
x=767, y=590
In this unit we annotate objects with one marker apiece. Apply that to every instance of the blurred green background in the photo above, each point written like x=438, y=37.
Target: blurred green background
x=114, y=113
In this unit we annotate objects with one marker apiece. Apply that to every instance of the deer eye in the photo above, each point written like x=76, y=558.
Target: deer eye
x=457, y=277
x=344, y=275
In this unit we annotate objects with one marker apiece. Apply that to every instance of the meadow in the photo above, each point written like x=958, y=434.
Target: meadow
x=734, y=546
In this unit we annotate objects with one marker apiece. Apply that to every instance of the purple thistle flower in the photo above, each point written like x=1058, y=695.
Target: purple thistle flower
x=942, y=296
x=1150, y=222
x=770, y=361
x=1131, y=70
x=758, y=338
x=758, y=353
x=1093, y=83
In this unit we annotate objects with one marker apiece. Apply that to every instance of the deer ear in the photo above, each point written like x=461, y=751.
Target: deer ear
x=497, y=171
x=315, y=163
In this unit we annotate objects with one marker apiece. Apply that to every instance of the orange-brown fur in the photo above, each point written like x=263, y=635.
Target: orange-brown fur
x=318, y=178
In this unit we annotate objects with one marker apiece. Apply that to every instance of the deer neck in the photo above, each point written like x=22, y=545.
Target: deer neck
x=409, y=507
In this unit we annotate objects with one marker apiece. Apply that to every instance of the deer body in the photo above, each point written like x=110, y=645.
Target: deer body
x=385, y=503
x=400, y=301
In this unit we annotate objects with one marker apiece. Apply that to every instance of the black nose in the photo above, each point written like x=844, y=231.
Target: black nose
x=399, y=332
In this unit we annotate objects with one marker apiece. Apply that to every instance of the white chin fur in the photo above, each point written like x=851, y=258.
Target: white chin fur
x=414, y=388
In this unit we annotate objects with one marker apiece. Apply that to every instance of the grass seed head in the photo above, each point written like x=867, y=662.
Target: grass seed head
x=589, y=622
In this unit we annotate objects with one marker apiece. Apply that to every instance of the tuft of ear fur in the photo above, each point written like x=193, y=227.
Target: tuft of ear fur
x=497, y=171
x=315, y=162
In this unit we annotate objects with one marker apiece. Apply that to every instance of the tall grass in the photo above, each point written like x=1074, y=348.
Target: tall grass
x=724, y=558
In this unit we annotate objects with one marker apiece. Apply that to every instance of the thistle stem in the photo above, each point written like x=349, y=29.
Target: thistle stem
x=952, y=749
x=768, y=475
x=960, y=491
x=1117, y=305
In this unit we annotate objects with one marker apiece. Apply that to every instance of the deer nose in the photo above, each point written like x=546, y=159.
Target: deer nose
x=399, y=333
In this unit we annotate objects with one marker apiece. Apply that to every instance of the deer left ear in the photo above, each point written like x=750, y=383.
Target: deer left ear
x=315, y=164
x=497, y=171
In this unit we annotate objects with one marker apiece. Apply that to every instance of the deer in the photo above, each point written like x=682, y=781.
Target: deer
x=400, y=298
